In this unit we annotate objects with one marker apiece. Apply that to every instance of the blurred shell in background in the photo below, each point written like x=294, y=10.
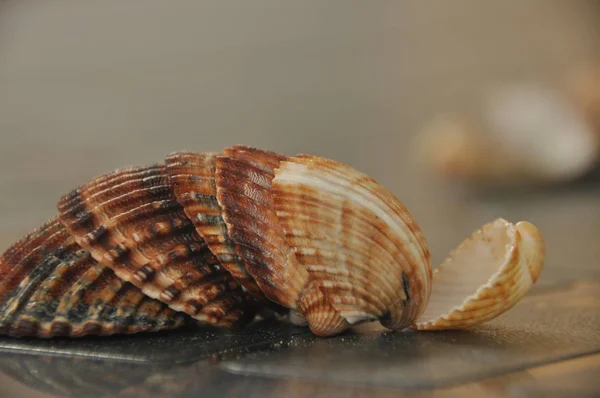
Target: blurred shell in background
x=527, y=133
x=584, y=88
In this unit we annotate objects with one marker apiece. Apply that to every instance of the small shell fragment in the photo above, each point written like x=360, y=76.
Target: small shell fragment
x=485, y=276
x=52, y=287
x=131, y=221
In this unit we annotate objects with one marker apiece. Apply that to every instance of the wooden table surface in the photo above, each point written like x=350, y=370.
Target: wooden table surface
x=86, y=87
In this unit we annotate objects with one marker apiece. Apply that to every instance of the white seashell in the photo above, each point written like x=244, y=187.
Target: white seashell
x=485, y=276
x=366, y=257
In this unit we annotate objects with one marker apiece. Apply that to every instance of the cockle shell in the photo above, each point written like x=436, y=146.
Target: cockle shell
x=244, y=179
x=220, y=236
x=51, y=287
x=366, y=258
x=131, y=221
x=485, y=276
x=193, y=179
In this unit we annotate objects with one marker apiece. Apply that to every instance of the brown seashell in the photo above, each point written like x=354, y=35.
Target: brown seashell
x=131, y=221
x=52, y=287
x=243, y=177
x=192, y=176
x=220, y=236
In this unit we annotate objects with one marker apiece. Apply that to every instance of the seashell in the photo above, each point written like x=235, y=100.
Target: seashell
x=192, y=177
x=528, y=134
x=366, y=258
x=220, y=236
x=244, y=176
x=130, y=221
x=485, y=276
x=52, y=287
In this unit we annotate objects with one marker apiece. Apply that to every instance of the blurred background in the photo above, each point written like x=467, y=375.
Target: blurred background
x=437, y=100
x=89, y=86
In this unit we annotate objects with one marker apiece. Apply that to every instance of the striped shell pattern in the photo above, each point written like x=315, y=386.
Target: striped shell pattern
x=220, y=237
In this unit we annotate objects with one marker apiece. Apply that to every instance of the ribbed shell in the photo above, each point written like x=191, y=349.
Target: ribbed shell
x=485, y=276
x=366, y=258
x=218, y=236
x=50, y=286
x=243, y=178
x=131, y=221
x=192, y=177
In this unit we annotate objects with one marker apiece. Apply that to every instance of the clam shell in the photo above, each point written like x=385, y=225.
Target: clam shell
x=366, y=257
x=192, y=175
x=50, y=287
x=485, y=276
x=243, y=178
x=131, y=221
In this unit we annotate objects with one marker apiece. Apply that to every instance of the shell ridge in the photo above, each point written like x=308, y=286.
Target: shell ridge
x=58, y=284
x=232, y=168
x=306, y=174
x=99, y=203
x=44, y=308
x=147, y=239
x=13, y=301
x=101, y=185
x=359, y=231
x=212, y=230
x=370, y=186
